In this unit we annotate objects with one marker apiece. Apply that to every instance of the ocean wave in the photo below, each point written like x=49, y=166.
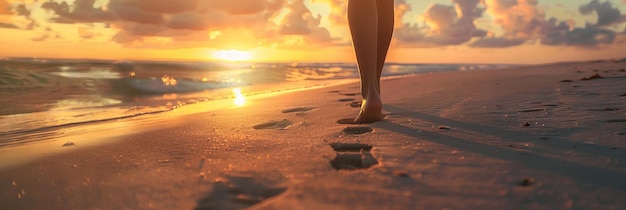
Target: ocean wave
x=15, y=80
x=40, y=96
x=167, y=84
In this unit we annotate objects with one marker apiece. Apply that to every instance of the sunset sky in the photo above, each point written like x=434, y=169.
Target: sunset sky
x=435, y=31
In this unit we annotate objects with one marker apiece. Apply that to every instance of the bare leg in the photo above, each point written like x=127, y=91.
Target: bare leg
x=385, y=16
x=363, y=21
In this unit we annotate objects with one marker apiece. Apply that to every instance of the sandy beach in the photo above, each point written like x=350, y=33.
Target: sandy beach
x=533, y=137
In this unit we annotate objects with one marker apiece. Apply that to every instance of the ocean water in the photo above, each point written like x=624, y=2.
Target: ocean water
x=38, y=95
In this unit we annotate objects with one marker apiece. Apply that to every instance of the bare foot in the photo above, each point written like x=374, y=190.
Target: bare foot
x=371, y=111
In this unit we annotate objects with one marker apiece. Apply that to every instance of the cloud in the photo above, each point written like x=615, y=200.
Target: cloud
x=21, y=10
x=593, y=35
x=184, y=23
x=46, y=34
x=300, y=21
x=518, y=19
x=20, y=19
x=496, y=42
x=524, y=21
x=40, y=38
x=517, y=22
x=291, y=24
x=82, y=11
x=589, y=36
x=126, y=11
x=159, y=6
x=192, y=21
x=297, y=20
x=85, y=32
x=297, y=27
x=214, y=15
x=607, y=14
x=444, y=24
x=7, y=25
x=244, y=7
x=406, y=32
x=338, y=13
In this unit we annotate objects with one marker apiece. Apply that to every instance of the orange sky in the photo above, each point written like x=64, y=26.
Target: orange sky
x=438, y=31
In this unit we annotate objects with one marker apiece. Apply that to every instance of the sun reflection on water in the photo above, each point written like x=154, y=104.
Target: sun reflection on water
x=168, y=80
x=240, y=100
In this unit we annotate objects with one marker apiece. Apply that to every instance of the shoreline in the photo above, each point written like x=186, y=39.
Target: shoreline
x=449, y=140
x=219, y=98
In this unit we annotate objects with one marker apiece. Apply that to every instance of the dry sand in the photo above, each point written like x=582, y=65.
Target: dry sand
x=523, y=138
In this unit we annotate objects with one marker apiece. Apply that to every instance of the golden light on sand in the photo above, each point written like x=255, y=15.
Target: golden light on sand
x=232, y=55
x=240, y=100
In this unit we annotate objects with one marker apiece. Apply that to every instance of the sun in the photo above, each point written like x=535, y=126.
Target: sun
x=232, y=55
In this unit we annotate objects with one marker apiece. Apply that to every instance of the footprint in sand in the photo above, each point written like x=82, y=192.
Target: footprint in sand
x=355, y=104
x=242, y=191
x=273, y=125
x=352, y=156
x=346, y=99
x=357, y=129
x=298, y=109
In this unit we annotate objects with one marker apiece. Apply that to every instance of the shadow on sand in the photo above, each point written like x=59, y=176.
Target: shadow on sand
x=583, y=173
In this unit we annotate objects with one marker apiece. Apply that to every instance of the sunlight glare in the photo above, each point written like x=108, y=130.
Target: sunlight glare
x=168, y=80
x=232, y=55
x=240, y=100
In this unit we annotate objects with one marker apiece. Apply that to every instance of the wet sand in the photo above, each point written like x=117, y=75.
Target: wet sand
x=535, y=137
